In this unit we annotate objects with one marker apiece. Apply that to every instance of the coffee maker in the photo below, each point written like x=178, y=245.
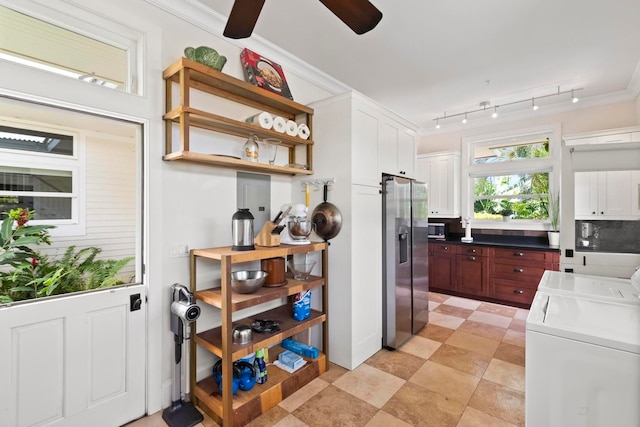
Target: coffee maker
x=589, y=235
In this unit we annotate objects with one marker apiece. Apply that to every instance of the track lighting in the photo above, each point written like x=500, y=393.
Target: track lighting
x=494, y=114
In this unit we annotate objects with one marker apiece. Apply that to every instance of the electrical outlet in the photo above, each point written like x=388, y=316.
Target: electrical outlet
x=178, y=249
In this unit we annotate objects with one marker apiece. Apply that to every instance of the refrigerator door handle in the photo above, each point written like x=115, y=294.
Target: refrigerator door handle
x=403, y=240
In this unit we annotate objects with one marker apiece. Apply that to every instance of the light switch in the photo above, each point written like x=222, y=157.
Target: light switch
x=178, y=249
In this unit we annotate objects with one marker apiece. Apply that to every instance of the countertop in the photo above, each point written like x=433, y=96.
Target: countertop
x=525, y=242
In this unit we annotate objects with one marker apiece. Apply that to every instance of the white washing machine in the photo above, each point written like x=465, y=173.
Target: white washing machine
x=582, y=361
x=601, y=288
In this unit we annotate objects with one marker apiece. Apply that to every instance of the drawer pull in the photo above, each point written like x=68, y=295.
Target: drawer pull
x=518, y=291
x=472, y=258
x=518, y=254
x=445, y=248
x=518, y=270
x=473, y=251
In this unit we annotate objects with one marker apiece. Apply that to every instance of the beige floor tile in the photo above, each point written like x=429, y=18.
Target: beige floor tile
x=370, y=384
x=269, y=418
x=382, y=419
x=452, y=310
x=445, y=320
x=333, y=372
x=420, y=346
x=436, y=297
x=435, y=332
x=463, y=360
x=499, y=401
x=483, y=329
x=490, y=319
x=290, y=421
x=473, y=418
x=154, y=420
x=501, y=310
x=514, y=337
x=518, y=325
x=398, y=363
x=418, y=406
x=464, y=303
x=298, y=398
x=433, y=305
x=446, y=381
x=475, y=343
x=510, y=353
x=506, y=374
x=521, y=314
x=334, y=407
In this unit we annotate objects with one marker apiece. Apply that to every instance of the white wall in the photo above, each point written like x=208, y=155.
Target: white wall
x=184, y=202
x=580, y=120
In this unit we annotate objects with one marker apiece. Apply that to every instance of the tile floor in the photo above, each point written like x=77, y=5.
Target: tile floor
x=465, y=369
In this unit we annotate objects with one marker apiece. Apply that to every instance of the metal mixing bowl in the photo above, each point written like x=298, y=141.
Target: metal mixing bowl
x=242, y=334
x=247, y=281
x=300, y=229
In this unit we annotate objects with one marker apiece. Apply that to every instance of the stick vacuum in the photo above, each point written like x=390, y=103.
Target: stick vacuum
x=183, y=312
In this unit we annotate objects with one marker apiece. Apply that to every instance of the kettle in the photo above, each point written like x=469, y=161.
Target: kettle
x=242, y=230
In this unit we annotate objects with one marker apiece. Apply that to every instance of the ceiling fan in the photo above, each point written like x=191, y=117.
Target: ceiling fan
x=360, y=15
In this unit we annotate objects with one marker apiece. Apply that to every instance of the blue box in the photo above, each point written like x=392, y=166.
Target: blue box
x=290, y=359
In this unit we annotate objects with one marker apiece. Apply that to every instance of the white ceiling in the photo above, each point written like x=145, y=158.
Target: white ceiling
x=428, y=57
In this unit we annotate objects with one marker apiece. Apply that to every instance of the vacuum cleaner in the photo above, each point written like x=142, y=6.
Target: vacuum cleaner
x=184, y=311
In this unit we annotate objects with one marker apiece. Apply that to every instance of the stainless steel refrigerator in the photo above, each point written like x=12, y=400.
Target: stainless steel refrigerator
x=405, y=273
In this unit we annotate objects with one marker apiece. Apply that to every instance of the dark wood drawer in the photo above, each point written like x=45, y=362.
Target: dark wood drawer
x=442, y=248
x=523, y=271
x=510, y=290
x=522, y=254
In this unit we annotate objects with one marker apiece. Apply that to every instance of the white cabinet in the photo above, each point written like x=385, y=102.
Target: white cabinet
x=604, y=195
x=397, y=148
x=441, y=172
x=356, y=140
x=612, y=136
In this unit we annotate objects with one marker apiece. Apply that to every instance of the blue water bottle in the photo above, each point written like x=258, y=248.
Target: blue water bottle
x=261, y=367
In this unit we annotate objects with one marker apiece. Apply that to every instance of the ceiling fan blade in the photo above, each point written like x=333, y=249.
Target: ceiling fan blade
x=243, y=18
x=360, y=15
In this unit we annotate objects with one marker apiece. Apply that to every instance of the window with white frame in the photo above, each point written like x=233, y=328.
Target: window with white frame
x=508, y=177
x=40, y=171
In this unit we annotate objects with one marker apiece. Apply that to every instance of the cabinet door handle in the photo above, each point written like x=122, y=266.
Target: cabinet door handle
x=518, y=291
x=601, y=212
x=518, y=270
x=518, y=254
x=472, y=258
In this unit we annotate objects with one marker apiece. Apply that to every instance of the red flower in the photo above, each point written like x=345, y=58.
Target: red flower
x=34, y=262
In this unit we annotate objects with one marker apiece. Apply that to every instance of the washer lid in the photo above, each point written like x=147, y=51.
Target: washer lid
x=608, y=288
x=580, y=318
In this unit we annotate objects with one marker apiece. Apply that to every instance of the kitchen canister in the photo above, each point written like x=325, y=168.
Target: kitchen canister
x=250, y=151
x=275, y=269
x=242, y=230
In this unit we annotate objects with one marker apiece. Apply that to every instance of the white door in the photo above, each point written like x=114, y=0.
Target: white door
x=74, y=361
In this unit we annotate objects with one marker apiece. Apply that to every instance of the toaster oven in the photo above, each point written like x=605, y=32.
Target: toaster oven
x=436, y=230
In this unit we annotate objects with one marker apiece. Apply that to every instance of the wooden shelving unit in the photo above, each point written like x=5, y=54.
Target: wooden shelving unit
x=192, y=75
x=238, y=410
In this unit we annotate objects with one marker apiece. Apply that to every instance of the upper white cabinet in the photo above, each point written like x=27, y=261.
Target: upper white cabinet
x=397, y=148
x=612, y=136
x=441, y=172
x=605, y=195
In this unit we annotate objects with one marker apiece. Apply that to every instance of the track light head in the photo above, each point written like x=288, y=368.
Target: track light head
x=533, y=104
x=464, y=121
x=574, y=98
x=495, y=112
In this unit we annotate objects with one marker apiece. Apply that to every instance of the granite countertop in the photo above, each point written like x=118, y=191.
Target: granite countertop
x=525, y=242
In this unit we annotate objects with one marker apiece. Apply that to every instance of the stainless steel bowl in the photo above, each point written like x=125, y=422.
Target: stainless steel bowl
x=247, y=281
x=242, y=334
x=300, y=229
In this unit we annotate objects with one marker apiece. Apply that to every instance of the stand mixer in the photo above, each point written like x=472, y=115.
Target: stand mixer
x=299, y=226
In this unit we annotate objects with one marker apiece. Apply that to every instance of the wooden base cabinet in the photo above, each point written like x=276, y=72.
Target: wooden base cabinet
x=238, y=410
x=442, y=266
x=515, y=273
x=473, y=269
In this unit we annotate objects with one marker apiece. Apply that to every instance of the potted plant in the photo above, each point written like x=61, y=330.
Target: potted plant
x=505, y=210
x=554, y=219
